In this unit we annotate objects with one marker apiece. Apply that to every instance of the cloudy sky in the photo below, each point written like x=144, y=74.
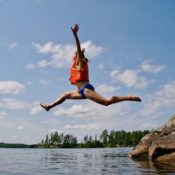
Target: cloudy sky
x=130, y=45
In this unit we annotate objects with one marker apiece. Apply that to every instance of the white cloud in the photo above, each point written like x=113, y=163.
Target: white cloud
x=149, y=125
x=61, y=55
x=87, y=127
x=114, y=73
x=5, y=123
x=164, y=98
x=167, y=91
x=44, y=63
x=36, y=108
x=106, y=89
x=91, y=50
x=51, y=121
x=45, y=82
x=29, y=82
x=11, y=87
x=30, y=66
x=166, y=95
x=153, y=107
x=91, y=110
x=53, y=130
x=12, y=45
x=9, y=44
x=133, y=78
x=21, y=127
x=3, y=115
x=101, y=66
x=47, y=48
x=13, y=104
x=75, y=111
x=130, y=78
x=148, y=68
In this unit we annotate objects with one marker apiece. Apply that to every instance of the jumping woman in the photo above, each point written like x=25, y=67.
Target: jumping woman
x=80, y=78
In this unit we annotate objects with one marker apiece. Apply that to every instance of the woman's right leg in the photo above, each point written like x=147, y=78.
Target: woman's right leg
x=92, y=95
x=68, y=95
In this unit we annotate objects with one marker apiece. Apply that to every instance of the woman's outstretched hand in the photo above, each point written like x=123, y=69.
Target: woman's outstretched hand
x=75, y=29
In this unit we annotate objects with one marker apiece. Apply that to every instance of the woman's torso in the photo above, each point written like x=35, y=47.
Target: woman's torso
x=79, y=76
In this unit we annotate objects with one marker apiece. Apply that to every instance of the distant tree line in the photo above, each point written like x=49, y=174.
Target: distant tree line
x=59, y=140
x=16, y=145
x=106, y=139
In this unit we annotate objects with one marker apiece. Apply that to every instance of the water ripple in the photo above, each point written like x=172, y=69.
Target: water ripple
x=75, y=162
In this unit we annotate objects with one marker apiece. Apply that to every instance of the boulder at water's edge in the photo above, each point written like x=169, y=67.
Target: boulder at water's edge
x=158, y=146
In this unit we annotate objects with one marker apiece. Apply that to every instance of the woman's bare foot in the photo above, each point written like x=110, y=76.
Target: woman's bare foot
x=46, y=107
x=135, y=98
x=116, y=99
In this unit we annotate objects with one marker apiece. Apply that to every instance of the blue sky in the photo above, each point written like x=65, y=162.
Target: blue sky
x=130, y=45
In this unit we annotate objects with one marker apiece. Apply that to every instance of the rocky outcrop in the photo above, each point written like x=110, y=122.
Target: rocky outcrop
x=158, y=146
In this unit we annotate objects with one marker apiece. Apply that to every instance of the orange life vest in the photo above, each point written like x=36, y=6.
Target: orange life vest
x=77, y=75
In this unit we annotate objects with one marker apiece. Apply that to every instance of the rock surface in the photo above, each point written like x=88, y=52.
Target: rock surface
x=158, y=146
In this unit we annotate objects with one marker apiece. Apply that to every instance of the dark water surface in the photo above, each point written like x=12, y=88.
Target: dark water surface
x=75, y=162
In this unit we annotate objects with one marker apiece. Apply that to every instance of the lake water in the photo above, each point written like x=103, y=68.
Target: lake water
x=75, y=162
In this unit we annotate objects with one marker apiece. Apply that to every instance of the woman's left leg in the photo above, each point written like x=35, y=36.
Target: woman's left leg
x=68, y=95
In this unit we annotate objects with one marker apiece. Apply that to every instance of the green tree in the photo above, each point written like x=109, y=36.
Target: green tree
x=69, y=141
x=114, y=138
x=61, y=138
x=55, y=138
x=104, y=136
x=51, y=139
x=46, y=142
x=90, y=139
x=85, y=139
x=42, y=142
x=111, y=138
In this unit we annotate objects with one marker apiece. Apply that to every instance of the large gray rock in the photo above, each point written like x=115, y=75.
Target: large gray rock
x=159, y=145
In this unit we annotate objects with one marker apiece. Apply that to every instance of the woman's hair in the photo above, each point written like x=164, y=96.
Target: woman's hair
x=82, y=52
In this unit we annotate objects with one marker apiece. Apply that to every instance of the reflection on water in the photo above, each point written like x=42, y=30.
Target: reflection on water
x=158, y=168
x=75, y=162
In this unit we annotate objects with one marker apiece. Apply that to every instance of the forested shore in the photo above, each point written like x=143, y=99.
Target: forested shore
x=16, y=145
x=105, y=139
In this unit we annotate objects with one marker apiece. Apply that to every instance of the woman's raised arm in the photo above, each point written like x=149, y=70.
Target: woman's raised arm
x=79, y=52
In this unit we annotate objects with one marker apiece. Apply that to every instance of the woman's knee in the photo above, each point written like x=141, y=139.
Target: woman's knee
x=96, y=98
x=106, y=103
x=66, y=95
x=72, y=95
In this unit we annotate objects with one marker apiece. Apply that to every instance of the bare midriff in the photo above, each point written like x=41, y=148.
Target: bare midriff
x=80, y=84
